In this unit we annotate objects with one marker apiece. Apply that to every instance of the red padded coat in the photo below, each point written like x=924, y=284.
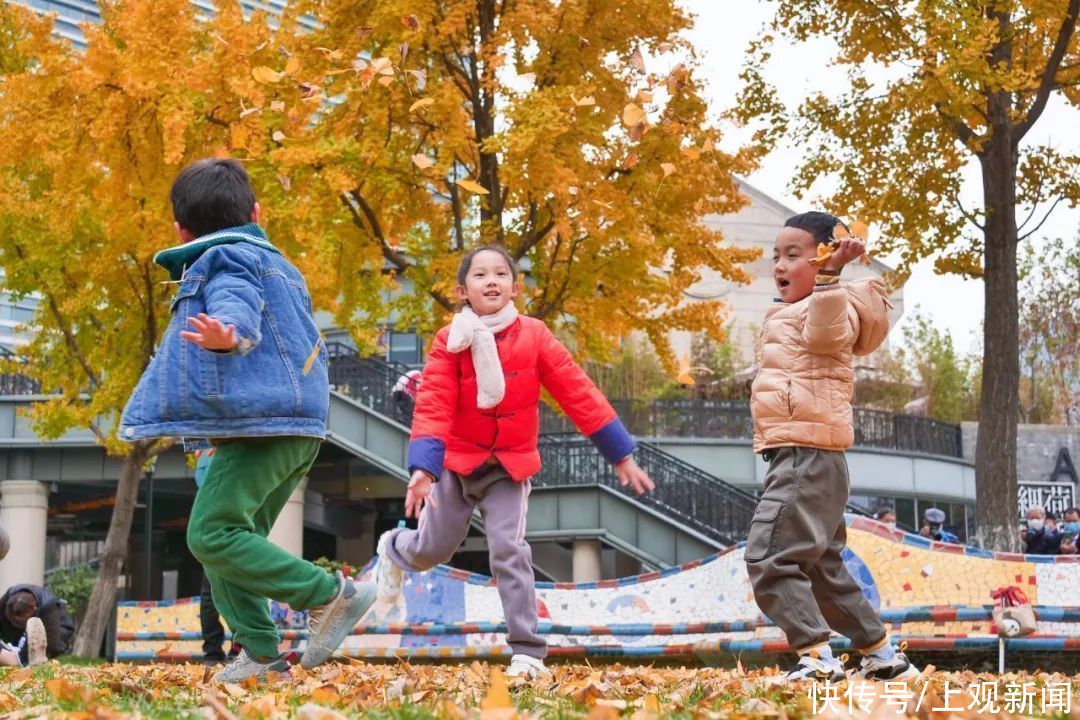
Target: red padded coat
x=449, y=430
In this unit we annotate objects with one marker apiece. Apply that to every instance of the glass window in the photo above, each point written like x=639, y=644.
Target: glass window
x=905, y=513
x=405, y=348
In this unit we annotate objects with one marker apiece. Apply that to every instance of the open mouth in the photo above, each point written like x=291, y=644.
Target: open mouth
x=492, y=294
x=782, y=283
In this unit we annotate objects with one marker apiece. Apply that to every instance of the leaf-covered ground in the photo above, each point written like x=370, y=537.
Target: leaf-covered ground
x=479, y=690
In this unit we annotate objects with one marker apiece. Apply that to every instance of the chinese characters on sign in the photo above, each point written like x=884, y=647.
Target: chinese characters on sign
x=986, y=697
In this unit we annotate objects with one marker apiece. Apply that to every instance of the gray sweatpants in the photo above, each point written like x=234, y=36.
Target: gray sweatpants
x=503, y=505
x=793, y=552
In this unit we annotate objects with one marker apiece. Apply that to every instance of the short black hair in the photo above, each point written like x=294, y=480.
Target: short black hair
x=819, y=224
x=466, y=262
x=1072, y=510
x=20, y=606
x=211, y=195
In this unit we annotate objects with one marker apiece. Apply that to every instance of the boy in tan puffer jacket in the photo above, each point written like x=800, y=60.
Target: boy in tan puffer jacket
x=801, y=403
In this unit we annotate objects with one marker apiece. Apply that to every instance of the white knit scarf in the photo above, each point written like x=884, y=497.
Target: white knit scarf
x=469, y=330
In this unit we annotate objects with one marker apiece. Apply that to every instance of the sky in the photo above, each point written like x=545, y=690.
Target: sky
x=721, y=33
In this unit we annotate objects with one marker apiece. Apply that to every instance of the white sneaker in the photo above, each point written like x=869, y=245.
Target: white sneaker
x=811, y=667
x=899, y=668
x=36, y=642
x=388, y=576
x=526, y=666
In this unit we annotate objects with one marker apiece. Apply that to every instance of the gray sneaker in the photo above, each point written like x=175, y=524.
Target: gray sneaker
x=330, y=624
x=36, y=642
x=245, y=666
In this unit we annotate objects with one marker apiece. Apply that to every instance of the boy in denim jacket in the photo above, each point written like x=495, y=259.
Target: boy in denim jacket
x=242, y=365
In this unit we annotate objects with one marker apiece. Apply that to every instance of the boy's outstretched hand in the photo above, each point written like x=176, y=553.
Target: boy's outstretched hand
x=210, y=334
x=630, y=474
x=845, y=250
x=418, y=493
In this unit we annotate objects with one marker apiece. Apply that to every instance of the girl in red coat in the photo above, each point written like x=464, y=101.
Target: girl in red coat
x=473, y=444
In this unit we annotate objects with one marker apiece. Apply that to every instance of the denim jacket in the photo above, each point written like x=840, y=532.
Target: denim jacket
x=274, y=382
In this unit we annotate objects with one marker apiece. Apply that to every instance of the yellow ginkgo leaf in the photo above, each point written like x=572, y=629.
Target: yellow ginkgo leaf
x=668, y=168
x=473, y=186
x=692, y=153
x=292, y=66
x=497, y=695
x=839, y=232
x=421, y=103
x=528, y=78
x=277, y=106
x=860, y=230
x=278, y=136
x=586, y=101
x=632, y=115
x=386, y=81
x=708, y=145
x=265, y=74
x=383, y=65
x=630, y=161
x=684, y=377
x=422, y=161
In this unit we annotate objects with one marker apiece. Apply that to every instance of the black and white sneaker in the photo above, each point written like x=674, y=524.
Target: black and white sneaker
x=899, y=668
x=816, y=669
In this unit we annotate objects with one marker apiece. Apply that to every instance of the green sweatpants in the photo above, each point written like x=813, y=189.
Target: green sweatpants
x=248, y=484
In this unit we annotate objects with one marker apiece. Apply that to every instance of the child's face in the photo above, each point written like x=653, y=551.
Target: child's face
x=792, y=272
x=490, y=285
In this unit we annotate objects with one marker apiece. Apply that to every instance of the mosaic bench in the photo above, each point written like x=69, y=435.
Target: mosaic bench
x=932, y=595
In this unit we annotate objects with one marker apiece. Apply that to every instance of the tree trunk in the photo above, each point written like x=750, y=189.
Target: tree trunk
x=103, y=598
x=995, y=450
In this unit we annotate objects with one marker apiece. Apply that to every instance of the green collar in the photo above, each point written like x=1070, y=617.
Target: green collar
x=177, y=259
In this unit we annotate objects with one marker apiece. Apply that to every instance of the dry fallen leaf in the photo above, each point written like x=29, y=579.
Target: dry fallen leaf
x=411, y=22
x=364, y=31
x=286, y=183
x=636, y=61
x=692, y=153
x=665, y=47
x=421, y=103
x=265, y=74
x=668, y=168
x=383, y=65
x=528, y=78
x=278, y=136
x=277, y=106
x=311, y=711
x=860, y=230
x=386, y=81
x=292, y=66
x=422, y=161
x=473, y=186
x=630, y=161
x=571, y=189
x=633, y=115
x=586, y=101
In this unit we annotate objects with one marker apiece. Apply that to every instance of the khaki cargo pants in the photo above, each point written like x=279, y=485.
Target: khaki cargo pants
x=793, y=552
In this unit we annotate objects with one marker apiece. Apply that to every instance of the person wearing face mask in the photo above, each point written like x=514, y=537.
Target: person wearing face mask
x=1037, y=540
x=886, y=515
x=33, y=626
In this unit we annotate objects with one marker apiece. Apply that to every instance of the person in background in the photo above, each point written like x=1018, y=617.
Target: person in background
x=1035, y=538
x=33, y=626
x=934, y=527
x=886, y=515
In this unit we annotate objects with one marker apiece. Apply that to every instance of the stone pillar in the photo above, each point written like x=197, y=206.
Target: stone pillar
x=288, y=530
x=24, y=513
x=586, y=560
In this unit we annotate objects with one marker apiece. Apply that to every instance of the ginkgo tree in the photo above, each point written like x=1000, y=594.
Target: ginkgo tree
x=935, y=89
x=574, y=134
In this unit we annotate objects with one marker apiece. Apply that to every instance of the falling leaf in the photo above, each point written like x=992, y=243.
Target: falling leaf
x=644, y=97
x=421, y=103
x=411, y=22
x=633, y=115
x=285, y=182
x=665, y=47
x=472, y=186
x=677, y=78
x=630, y=161
x=586, y=101
x=292, y=66
x=277, y=106
x=420, y=75
x=422, y=161
x=265, y=75
x=692, y=153
x=365, y=31
x=668, y=168
x=636, y=61
x=331, y=55
x=309, y=91
x=359, y=64
x=839, y=232
x=603, y=204
x=572, y=190
x=636, y=132
x=860, y=230
x=249, y=111
x=527, y=78
x=671, y=127
x=708, y=145
x=386, y=81
x=403, y=52
x=278, y=136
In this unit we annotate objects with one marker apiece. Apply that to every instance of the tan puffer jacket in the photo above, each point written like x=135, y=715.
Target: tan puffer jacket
x=805, y=381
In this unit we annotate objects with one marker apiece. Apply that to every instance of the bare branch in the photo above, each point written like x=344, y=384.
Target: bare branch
x=1035, y=229
x=1046, y=85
